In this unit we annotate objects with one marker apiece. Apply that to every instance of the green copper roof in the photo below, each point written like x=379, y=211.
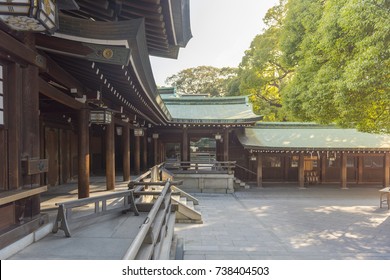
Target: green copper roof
x=200, y=109
x=310, y=137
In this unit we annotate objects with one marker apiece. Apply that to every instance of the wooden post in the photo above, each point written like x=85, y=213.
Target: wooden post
x=226, y=145
x=324, y=166
x=343, y=174
x=110, y=156
x=83, y=153
x=386, y=166
x=301, y=171
x=185, y=146
x=155, y=151
x=145, y=153
x=259, y=170
x=14, y=126
x=137, y=155
x=126, y=152
x=30, y=121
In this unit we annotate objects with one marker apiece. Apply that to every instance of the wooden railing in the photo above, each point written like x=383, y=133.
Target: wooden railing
x=153, y=196
x=149, y=240
x=245, y=174
x=222, y=167
x=65, y=213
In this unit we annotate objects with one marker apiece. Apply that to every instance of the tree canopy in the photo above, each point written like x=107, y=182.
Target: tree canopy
x=339, y=50
x=203, y=79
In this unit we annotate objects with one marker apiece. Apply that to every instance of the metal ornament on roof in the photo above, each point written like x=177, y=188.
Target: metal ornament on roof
x=30, y=15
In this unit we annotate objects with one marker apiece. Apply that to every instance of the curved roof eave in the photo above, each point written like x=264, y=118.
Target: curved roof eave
x=133, y=31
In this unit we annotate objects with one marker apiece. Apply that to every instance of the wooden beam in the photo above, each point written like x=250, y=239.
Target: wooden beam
x=60, y=76
x=58, y=95
x=20, y=51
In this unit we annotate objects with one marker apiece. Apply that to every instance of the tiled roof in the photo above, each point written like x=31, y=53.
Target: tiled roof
x=310, y=137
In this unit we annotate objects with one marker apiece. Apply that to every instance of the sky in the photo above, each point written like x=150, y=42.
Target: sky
x=222, y=31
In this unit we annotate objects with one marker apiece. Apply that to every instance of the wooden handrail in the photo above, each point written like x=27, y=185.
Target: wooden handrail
x=146, y=227
x=246, y=169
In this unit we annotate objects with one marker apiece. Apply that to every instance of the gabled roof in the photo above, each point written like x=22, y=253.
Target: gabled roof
x=304, y=136
x=215, y=110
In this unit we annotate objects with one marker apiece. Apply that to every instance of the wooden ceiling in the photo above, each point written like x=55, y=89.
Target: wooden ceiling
x=155, y=12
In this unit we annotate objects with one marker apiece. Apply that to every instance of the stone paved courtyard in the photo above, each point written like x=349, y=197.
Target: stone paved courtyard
x=284, y=222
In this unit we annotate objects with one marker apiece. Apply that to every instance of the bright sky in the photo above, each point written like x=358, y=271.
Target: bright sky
x=222, y=31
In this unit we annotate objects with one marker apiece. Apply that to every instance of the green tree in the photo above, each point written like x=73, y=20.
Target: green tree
x=339, y=50
x=262, y=72
x=203, y=79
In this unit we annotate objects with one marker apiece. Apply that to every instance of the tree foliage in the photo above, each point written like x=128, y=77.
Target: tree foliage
x=204, y=79
x=341, y=61
x=262, y=72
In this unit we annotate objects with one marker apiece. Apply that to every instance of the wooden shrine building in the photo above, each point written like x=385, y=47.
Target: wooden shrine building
x=307, y=153
x=76, y=92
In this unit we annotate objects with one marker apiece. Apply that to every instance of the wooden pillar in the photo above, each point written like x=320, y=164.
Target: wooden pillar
x=145, y=152
x=185, y=146
x=360, y=169
x=110, y=156
x=14, y=126
x=324, y=166
x=386, y=166
x=343, y=175
x=126, y=152
x=137, y=155
x=83, y=153
x=30, y=121
x=162, y=151
x=259, y=170
x=155, y=151
x=226, y=145
x=301, y=170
